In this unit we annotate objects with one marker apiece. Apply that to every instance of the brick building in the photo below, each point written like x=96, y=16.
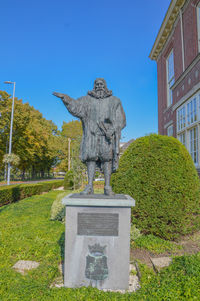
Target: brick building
x=177, y=53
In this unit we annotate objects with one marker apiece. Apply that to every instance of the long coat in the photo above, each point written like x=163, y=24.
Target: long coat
x=99, y=117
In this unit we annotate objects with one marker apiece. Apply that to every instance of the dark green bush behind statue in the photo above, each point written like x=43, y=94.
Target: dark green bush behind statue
x=158, y=172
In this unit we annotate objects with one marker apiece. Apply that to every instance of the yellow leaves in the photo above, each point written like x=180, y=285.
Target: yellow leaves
x=33, y=135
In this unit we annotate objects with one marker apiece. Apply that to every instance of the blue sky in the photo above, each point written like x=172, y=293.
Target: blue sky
x=62, y=45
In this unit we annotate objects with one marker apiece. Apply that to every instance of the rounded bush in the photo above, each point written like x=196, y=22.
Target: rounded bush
x=158, y=172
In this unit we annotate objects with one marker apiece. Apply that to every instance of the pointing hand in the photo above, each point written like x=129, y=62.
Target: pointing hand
x=60, y=95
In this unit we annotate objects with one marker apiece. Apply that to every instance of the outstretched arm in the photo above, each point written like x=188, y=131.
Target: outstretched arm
x=75, y=107
x=65, y=98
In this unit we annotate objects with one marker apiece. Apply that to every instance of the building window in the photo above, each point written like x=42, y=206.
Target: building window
x=192, y=111
x=170, y=130
x=189, y=110
x=198, y=24
x=188, y=123
x=181, y=119
x=194, y=144
x=181, y=138
x=170, y=77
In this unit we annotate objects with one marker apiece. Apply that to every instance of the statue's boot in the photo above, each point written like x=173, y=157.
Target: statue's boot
x=88, y=190
x=108, y=191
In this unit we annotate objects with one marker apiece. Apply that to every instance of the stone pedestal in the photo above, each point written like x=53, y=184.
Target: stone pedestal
x=97, y=241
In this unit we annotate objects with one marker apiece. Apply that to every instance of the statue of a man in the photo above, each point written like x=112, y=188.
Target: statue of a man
x=102, y=118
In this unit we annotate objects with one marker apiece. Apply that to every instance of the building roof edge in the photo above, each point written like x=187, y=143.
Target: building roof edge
x=166, y=27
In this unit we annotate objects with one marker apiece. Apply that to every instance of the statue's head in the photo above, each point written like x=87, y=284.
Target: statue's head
x=100, y=89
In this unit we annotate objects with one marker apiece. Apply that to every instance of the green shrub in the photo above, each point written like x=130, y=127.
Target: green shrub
x=179, y=281
x=13, y=193
x=69, y=180
x=158, y=172
x=155, y=244
x=58, y=209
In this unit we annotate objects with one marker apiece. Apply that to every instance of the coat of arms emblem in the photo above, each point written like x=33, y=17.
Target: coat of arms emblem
x=96, y=263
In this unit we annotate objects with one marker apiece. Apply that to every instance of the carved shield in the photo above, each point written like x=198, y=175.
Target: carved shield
x=96, y=267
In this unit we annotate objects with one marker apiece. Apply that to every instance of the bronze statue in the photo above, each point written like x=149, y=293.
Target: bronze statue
x=102, y=118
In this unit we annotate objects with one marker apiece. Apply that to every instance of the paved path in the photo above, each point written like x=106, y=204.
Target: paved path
x=30, y=182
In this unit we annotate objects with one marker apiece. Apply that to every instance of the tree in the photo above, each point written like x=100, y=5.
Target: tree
x=35, y=139
x=72, y=130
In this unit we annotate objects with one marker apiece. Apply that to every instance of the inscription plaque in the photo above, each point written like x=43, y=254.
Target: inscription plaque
x=98, y=224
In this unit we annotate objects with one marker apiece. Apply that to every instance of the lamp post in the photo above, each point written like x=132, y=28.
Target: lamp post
x=11, y=128
x=69, y=142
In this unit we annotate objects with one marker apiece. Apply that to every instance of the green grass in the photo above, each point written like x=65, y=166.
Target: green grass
x=26, y=233
x=155, y=244
x=180, y=281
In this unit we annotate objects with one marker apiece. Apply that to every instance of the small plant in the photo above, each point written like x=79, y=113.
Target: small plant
x=133, y=272
x=134, y=233
x=146, y=273
x=58, y=209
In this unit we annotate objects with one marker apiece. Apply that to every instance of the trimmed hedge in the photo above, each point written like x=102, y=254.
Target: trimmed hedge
x=13, y=193
x=158, y=172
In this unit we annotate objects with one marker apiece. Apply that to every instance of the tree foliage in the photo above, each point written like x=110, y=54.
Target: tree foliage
x=34, y=138
x=73, y=131
x=12, y=159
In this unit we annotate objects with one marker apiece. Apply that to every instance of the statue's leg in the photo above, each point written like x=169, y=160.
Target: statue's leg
x=91, y=167
x=107, y=170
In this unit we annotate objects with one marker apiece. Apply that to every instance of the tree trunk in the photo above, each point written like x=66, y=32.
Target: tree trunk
x=23, y=174
x=33, y=172
x=42, y=173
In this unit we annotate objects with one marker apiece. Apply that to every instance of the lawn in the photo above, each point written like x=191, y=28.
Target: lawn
x=26, y=233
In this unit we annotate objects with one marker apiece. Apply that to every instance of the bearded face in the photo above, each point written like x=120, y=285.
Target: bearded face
x=99, y=88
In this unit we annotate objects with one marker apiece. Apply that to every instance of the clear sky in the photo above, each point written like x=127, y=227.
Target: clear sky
x=63, y=45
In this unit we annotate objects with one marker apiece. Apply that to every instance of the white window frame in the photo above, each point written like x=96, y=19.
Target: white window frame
x=190, y=124
x=192, y=143
x=170, y=130
x=198, y=24
x=189, y=113
x=192, y=115
x=171, y=79
x=181, y=118
x=182, y=138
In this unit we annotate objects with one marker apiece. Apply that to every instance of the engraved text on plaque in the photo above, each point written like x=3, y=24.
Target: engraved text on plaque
x=98, y=224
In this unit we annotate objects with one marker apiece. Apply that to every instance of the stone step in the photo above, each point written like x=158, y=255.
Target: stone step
x=160, y=262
